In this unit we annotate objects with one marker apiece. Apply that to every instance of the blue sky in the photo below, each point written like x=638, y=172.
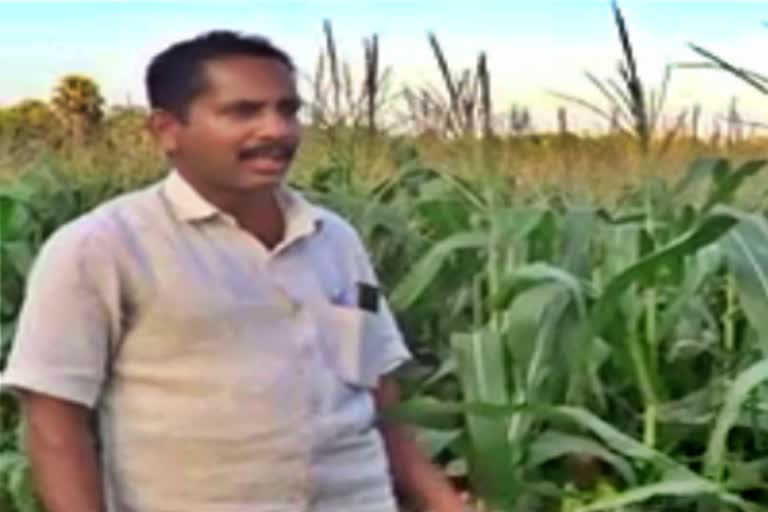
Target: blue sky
x=533, y=45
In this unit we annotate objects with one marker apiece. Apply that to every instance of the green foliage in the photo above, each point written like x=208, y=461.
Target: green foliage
x=650, y=318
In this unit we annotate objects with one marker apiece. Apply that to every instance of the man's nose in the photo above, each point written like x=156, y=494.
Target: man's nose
x=277, y=125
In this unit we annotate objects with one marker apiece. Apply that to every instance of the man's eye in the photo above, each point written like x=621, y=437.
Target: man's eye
x=290, y=108
x=243, y=111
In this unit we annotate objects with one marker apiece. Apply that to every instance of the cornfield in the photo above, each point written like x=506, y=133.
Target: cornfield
x=589, y=315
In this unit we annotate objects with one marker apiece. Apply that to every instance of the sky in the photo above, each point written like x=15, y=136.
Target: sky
x=534, y=47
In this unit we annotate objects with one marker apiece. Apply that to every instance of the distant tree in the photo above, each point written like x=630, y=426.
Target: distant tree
x=79, y=103
x=30, y=119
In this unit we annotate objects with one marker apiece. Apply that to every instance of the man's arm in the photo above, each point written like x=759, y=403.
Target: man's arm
x=69, y=321
x=413, y=471
x=61, y=448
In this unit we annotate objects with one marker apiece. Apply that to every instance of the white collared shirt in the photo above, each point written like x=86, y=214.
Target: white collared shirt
x=226, y=377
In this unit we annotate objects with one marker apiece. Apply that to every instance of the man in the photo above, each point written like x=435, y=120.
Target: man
x=229, y=335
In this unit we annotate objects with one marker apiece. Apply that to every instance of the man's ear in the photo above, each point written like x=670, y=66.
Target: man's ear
x=164, y=126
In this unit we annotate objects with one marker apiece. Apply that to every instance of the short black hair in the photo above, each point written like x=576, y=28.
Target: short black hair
x=177, y=75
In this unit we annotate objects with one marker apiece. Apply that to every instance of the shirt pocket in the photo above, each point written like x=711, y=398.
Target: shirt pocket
x=350, y=341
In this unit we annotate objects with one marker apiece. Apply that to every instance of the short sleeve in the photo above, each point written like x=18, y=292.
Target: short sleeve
x=388, y=346
x=67, y=320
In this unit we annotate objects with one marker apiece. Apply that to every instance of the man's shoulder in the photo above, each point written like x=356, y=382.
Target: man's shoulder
x=106, y=220
x=335, y=225
x=334, y=221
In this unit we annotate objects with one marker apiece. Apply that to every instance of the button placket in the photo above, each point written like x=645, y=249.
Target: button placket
x=292, y=286
x=300, y=338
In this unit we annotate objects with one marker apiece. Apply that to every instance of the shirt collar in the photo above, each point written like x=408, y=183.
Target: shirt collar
x=302, y=217
x=187, y=202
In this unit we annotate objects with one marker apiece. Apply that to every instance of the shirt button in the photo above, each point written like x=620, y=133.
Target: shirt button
x=287, y=304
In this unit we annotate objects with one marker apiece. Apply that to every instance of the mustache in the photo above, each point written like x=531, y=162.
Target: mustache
x=271, y=150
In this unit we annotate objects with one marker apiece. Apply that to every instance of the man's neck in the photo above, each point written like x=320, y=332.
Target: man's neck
x=257, y=211
x=264, y=219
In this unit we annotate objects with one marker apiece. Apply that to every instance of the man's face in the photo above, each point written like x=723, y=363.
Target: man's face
x=242, y=132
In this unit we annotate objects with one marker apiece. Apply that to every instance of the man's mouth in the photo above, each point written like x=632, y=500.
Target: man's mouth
x=274, y=152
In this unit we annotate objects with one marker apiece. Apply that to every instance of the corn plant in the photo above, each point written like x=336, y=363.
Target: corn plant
x=464, y=109
x=632, y=108
x=586, y=343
